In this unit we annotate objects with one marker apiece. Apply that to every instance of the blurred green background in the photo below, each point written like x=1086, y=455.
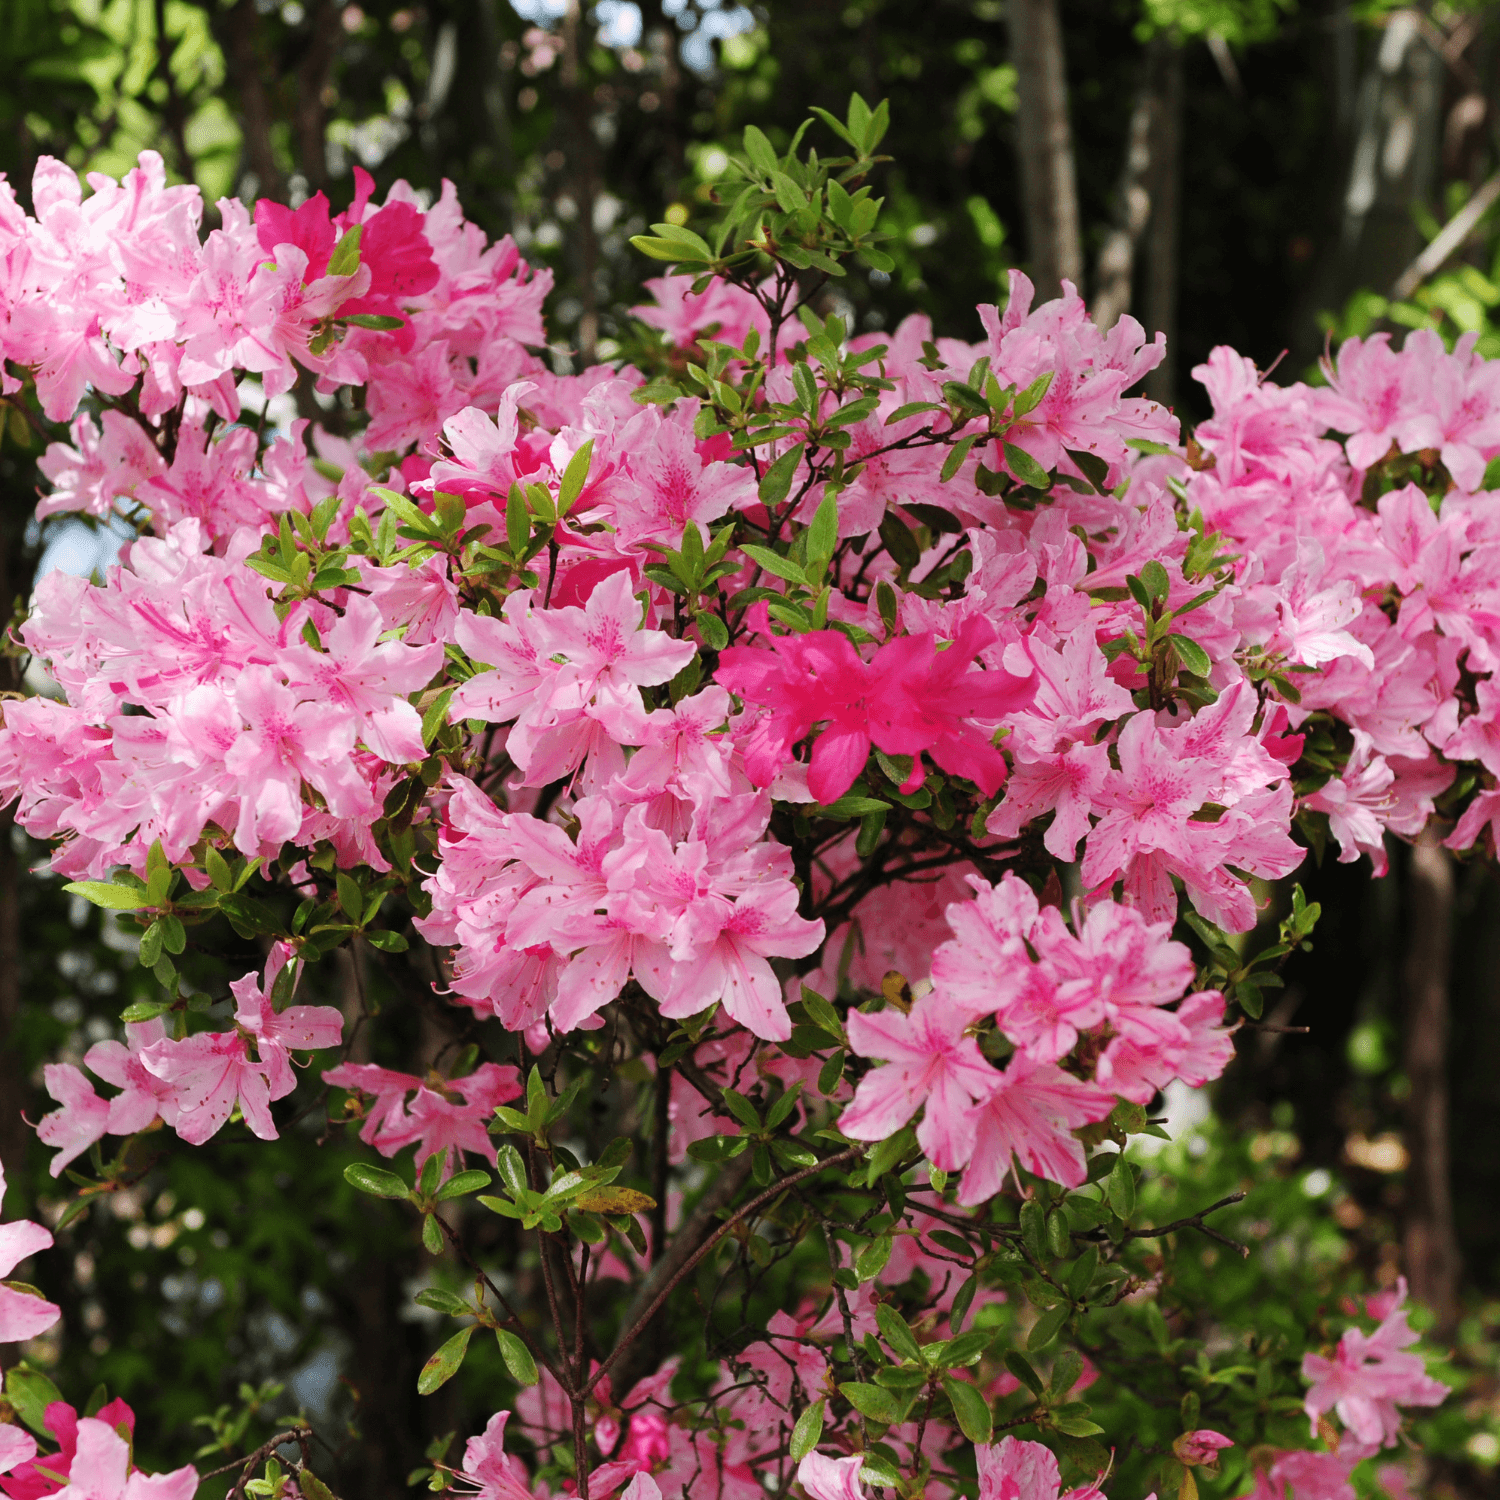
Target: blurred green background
x=1262, y=173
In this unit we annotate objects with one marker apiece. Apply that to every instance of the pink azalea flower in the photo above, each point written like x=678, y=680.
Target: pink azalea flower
x=101, y=1470
x=730, y=943
x=495, y=1473
x=909, y=699
x=302, y=1028
x=831, y=1478
x=289, y=741
x=210, y=1073
x=929, y=1062
x=22, y=1316
x=1016, y=1470
x=1201, y=1447
x=17, y=1447
x=369, y=679
x=1030, y=1114
x=82, y=1120
x=1368, y=1375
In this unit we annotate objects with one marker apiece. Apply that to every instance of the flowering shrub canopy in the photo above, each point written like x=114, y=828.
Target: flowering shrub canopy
x=868, y=746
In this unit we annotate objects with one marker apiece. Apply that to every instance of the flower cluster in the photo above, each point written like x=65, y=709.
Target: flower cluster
x=860, y=725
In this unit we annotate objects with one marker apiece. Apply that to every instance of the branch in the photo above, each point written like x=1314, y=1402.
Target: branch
x=1449, y=238
x=1195, y=1221
x=266, y=1449
x=536, y=1353
x=774, y=1191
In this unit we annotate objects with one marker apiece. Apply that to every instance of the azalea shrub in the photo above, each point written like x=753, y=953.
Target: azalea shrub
x=833, y=788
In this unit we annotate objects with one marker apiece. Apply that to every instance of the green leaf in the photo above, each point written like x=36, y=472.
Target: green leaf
x=145, y=1010
x=887, y=1153
x=1023, y=1370
x=822, y=1014
x=1034, y=1229
x=789, y=197
x=1093, y=468
x=870, y=1261
x=512, y=1170
x=955, y=459
x=151, y=944
x=831, y=1074
x=897, y=1333
x=807, y=1432
x=963, y=1299
x=31, y=1393
x=378, y=321
x=742, y=1109
x=104, y=893
x=345, y=258
x=443, y=1301
x=575, y=476
x=173, y=933
x=872, y=1402
x=1031, y=397
x=671, y=249
x=1048, y=1326
x=1154, y=576
x=375, y=1180
x=899, y=541
x=1081, y=1277
x=436, y=716
x=1026, y=468
x=714, y=631
x=517, y=1357
x=1191, y=655
x=461, y=1184
x=312, y=1487
x=1075, y=1425
x=443, y=1365
x=217, y=869
x=774, y=562
x=853, y=807
x=1121, y=1188
x=823, y=533
x=776, y=483
x=432, y=1234
x=975, y=1419
x=760, y=151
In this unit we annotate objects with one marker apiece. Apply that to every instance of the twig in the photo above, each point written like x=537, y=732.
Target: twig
x=1195, y=1221
x=836, y=1261
x=774, y=1191
x=1449, y=238
x=512, y=1315
x=266, y=1449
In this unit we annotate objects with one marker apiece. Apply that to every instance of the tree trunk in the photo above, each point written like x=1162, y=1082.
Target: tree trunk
x=578, y=103
x=1394, y=122
x=242, y=46
x=1430, y=1243
x=1044, y=138
x=1166, y=222
x=1115, y=275
x=313, y=73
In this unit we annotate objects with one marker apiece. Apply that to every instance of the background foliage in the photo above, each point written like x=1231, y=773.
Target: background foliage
x=214, y=1297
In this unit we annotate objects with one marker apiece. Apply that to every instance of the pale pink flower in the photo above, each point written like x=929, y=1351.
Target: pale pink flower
x=929, y=1063
x=831, y=1478
x=1030, y=1114
x=101, y=1470
x=1369, y=1376
x=82, y=1120
x=22, y=1316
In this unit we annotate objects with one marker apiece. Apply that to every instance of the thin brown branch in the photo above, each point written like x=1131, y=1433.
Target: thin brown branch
x=759, y=1201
